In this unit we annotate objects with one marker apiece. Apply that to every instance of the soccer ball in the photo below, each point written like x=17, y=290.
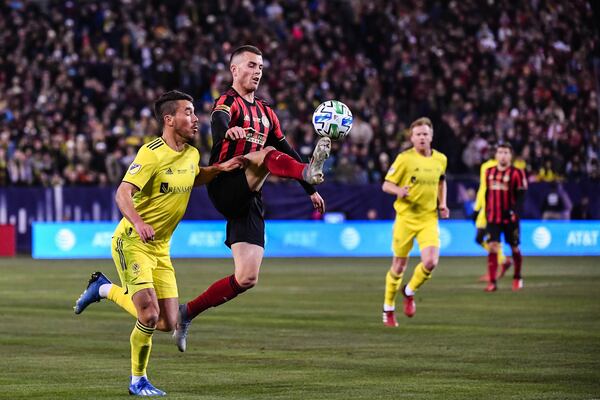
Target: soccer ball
x=332, y=119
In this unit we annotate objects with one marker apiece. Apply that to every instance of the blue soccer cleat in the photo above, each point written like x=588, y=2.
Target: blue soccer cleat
x=143, y=387
x=91, y=293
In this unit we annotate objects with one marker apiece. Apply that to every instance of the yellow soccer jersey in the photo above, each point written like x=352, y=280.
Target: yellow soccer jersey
x=480, y=199
x=165, y=178
x=422, y=174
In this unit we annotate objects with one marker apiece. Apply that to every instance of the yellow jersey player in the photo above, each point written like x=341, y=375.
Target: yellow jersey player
x=153, y=197
x=416, y=178
x=481, y=236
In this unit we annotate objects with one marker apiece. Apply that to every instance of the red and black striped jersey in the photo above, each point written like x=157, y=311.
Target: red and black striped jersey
x=258, y=120
x=501, y=194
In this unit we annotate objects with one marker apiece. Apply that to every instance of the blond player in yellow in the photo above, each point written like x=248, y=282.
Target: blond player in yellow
x=153, y=197
x=481, y=237
x=416, y=178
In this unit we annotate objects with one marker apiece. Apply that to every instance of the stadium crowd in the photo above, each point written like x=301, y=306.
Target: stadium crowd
x=77, y=80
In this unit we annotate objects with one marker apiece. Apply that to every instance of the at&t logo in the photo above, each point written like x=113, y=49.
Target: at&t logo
x=541, y=237
x=65, y=239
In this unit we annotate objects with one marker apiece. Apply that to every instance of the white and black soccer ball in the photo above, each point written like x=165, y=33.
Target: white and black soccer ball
x=332, y=119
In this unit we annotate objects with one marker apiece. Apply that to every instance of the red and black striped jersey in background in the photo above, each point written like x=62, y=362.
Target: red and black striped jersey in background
x=502, y=193
x=258, y=119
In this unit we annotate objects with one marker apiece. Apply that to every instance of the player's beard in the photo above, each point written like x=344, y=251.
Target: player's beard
x=186, y=133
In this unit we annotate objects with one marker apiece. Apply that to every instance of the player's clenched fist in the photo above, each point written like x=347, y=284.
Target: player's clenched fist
x=145, y=231
x=403, y=191
x=235, y=133
x=444, y=211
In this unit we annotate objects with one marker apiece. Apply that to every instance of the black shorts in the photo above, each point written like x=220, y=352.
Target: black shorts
x=511, y=232
x=242, y=207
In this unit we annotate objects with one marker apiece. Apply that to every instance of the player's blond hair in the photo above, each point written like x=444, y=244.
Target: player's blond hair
x=420, y=121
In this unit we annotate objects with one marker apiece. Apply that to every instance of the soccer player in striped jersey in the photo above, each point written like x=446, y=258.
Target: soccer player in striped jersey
x=153, y=197
x=481, y=236
x=505, y=191
x=245, y=125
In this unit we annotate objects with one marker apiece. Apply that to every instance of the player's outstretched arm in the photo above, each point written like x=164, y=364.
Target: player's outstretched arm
x=207, y=174
x=124, y=199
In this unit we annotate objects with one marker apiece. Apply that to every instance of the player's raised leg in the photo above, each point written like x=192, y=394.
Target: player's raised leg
x=95, y=291
x=283, y=165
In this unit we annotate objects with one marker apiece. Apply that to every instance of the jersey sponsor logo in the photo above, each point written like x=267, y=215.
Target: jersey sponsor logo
x=265, y=121
x=135, y=267
x=254, y=136
x=181, y=171
x=134, y=168
x=168, y=189
x=169, y=171
x=498, y=186
x=428, y=182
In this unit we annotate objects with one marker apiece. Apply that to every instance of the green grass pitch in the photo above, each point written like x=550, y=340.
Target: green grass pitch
x=312, y=329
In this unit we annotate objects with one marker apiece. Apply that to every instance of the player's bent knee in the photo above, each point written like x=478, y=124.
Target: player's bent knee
x=430, y=263
x=167, y=324
x=148, y=318
x=247, y=282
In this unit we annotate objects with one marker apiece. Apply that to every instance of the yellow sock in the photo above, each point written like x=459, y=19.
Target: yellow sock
x=501, y=256
x=117, y=295
x=420, y=275
x=141, y=344
x=392, y=285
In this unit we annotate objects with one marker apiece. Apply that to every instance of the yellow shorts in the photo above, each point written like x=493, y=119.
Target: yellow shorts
x=427, y=234
x=144, y=265
x=481, y=221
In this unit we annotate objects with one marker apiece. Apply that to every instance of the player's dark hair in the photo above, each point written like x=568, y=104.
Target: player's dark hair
x=166, y=104
x=245, y=49
x=504, y=145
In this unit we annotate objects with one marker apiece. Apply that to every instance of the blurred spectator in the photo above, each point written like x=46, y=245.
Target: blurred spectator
x=372, y=214
x=469, y=204
x=76, y=74
x=581, y=210
x=546, y=172
x=557, y=204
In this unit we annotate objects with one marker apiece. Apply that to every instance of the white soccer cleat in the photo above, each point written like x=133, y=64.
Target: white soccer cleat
x=181, y=331
x=313, y=172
